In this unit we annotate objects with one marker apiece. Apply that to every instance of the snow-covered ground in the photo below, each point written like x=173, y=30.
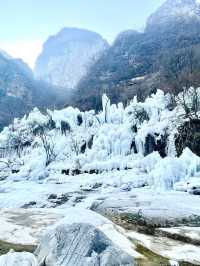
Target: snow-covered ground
x=121, y=160
x=76, y=192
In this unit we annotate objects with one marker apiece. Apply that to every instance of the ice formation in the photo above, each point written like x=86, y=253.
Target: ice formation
x=68, y=141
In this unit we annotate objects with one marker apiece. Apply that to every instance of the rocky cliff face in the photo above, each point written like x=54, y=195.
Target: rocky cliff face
x=67, y=56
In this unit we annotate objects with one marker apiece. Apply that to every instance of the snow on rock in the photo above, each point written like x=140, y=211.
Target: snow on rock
x=156, y=208
x=79, y=244
x=18, y=259
x=114, y=233
x=24, y=226
x=191, y=233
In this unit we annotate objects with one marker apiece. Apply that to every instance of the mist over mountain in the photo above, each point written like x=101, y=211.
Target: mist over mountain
x=20, y=92
x=67, y=56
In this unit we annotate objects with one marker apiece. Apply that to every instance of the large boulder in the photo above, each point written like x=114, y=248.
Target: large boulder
x=79, y=244
x=18, y=259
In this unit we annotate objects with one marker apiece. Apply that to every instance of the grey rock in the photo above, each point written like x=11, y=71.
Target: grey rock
x=80, y=245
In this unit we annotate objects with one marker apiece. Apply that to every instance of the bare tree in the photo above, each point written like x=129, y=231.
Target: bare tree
x=181, y=69
x=189, y=100
x=48, y=144
x=10, y=165
x=188, y=131
x=6, y=165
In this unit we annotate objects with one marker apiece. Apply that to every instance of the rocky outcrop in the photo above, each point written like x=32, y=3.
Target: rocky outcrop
x=80, y=245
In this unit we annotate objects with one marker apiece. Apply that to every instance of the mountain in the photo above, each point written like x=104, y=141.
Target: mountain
x=67, y=56
x=19, y=91
x=165, y=56
x=172, y=11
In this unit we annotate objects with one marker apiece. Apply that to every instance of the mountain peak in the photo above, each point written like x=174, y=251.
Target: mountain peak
x=174, y=10
x=5, y=54
x=67, y=56
x=176, y=4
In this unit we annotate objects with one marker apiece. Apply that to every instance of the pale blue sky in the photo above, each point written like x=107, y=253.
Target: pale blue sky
x=26, y=24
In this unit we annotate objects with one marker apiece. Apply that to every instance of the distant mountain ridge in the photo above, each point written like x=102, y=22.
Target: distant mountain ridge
x=172, y=11
x=174, y=8
x=160, y=56
x=67, y=56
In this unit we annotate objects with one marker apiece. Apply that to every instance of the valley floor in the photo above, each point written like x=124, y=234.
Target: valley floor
x=163, y=226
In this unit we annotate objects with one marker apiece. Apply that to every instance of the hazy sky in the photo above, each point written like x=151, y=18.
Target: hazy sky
x=26, y=24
